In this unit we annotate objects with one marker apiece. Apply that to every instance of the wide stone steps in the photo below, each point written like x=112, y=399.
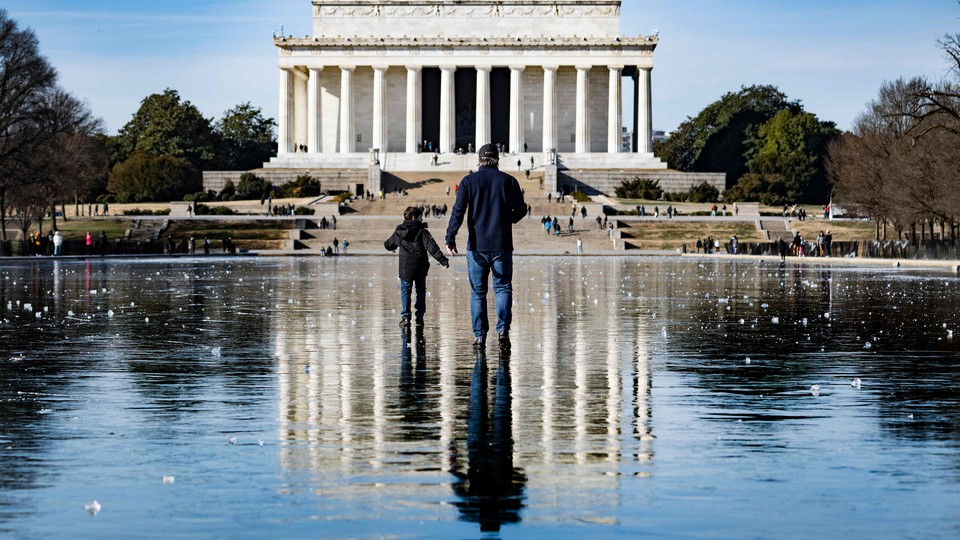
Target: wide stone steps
x=368, y=234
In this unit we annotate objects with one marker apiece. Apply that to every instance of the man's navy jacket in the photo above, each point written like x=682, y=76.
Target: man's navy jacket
x=492, y=202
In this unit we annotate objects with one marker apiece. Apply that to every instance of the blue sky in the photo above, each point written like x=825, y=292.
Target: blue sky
x=831, y=55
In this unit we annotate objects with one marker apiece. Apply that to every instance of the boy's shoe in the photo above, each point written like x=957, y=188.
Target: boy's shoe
x=405, y=322
x=480, y=344
x=505, y=341
x=419, y=321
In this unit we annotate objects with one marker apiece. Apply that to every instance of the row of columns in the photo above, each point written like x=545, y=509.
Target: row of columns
x=414, y=129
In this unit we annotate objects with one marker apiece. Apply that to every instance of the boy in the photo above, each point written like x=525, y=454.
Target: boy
x=415, y=242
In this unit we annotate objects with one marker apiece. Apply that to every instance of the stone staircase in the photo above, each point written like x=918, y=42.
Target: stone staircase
x=146, y=230
x=775, y=228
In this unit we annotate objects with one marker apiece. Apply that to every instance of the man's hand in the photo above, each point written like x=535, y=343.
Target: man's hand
x=451, y=249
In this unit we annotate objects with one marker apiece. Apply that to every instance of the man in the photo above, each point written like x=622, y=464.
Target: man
x=492, y=202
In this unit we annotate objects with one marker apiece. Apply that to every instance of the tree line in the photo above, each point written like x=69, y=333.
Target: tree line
x=53, y=150
x=900, y=164
x=771, y=150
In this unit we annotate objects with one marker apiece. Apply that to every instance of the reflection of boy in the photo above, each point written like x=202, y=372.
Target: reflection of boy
x=415, y=243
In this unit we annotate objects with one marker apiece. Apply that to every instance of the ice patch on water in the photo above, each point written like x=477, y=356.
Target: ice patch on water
x=815, y=389
x=93, y=507
x=856, y=383
x=215, y=351
x=168, y=480
x=775, y=320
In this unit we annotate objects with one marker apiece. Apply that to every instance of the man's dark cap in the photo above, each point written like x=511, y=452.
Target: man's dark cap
x=488, y=151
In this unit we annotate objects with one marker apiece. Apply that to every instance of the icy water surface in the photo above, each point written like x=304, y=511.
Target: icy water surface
x=643, y=397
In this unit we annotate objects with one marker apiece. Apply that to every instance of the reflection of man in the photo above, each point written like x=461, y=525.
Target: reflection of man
x=492, y=202
x=491, y=490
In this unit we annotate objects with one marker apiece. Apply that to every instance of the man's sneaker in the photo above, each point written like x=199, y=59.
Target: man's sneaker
x=405, y=322
x=419, y=321
x=480, y=344
x=505, y=341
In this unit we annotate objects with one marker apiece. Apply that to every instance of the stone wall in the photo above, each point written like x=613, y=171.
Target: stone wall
x=330, y=180
x=604, y=182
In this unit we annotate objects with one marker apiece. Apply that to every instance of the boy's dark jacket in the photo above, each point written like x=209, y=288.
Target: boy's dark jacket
x=415, y=242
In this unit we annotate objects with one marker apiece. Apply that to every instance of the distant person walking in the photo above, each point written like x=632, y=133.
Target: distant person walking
x=491, y=201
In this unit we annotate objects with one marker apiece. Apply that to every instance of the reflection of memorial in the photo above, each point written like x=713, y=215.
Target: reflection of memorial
x=572, y=412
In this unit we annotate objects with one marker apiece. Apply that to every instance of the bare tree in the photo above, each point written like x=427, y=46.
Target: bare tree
x=24, y=78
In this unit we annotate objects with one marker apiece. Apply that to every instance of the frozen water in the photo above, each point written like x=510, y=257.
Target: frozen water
x=596, y=425
x=168, y=480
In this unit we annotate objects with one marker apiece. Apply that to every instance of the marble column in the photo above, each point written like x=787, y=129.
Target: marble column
x=285, y=122
x=517, y=139
x=644, y=133
x=583, y=110
x=448, y=112
x=414, y=108
x=549, y=108
x=347, y=133
x=483, y=133
x=314, y=139
x=615, y=112
x=380, y=107
x=300, y=109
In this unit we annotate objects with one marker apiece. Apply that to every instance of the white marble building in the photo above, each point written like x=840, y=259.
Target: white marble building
x=384, y=77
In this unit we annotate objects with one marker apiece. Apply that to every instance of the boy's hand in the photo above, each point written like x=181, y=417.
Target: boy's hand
x=452, y=249
x=445, y=263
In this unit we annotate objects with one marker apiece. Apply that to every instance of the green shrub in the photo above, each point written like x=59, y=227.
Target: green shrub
x=201, y=209
x=228, y=192
x=639, y=188
x=139, y=212
x=580, y=196
x=703, y=192
x=675, y=197
x=252, y=186
x=341, y=196
x=146, y=178
x=304, y=186
x=304, y=211
x=201, y=196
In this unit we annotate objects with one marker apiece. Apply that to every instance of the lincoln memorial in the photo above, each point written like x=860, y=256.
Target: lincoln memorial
x=386, y=86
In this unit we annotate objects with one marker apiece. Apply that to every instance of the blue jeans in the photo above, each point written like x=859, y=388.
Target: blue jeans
x=406, y=287
x=480, y=264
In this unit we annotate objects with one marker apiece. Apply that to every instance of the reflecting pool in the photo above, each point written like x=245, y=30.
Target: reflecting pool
x=643, y=397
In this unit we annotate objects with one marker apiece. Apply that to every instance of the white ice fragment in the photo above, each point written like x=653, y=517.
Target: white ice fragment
x=92, y=507
x=46, y=309
x=746, y=360
x=259, y=442
x=910, y=416
x=215, y=351
x=28, y=307
x=363, y=337
x=764, y=305
x=109, y=313
x=132, y=304
x=804, y=321
x=168, y=479
x=39, y=315
x=815, y=389
x=949, y=334
x=596, y=301
x=146, y=319
x=775, y=320
x=867, y=345
x=103, y=289
x=742, y=321
x=232, y=440
x=855, y=383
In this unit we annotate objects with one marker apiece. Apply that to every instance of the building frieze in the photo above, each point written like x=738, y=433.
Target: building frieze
x=439, y=8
